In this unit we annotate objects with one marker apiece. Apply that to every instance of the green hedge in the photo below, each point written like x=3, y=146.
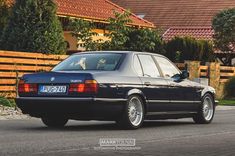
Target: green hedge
x=229, y=88
x=188, y=48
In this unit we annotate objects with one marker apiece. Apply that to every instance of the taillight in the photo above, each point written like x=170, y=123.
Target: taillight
x=76, y=88
x=90, y=86
x=27, y=87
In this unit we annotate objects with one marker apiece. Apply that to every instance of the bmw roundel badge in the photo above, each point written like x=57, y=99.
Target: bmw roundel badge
x=52, y=78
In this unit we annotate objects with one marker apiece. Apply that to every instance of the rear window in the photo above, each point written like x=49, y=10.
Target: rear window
x=103, y=61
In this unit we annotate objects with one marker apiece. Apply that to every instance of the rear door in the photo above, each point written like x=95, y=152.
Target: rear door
x=154, y=85
x=181, y=92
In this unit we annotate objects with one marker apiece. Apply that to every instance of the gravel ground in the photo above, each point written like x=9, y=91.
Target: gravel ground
x=7, y=113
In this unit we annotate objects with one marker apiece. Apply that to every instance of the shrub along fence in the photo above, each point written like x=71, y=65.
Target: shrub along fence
x=14, y=64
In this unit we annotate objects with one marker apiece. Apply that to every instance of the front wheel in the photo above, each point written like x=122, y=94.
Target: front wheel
x=54, y=122
x=133, y=116
x=206, y=111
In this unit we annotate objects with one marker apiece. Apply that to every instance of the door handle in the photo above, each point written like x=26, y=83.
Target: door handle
x=147, y=83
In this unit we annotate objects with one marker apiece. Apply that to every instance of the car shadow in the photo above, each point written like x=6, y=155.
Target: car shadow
x=81, y=127
x=165, y=123
x=110, y=126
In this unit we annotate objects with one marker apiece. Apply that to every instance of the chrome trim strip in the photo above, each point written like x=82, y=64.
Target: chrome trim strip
x=179, y=101
x=162, y=101
x=173, y=101
x=109, y=99
x=73, y=99
x=170, y=113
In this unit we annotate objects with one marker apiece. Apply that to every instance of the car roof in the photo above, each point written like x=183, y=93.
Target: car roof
x=125, y=52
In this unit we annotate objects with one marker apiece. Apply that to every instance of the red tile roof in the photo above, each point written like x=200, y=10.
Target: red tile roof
x=95, y=9
x=99, y=10
x=200, y=33
x=171, y=13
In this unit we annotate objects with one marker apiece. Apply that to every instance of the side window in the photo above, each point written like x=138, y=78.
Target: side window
x=149, y=67
x=168, y=69
x=137, y=66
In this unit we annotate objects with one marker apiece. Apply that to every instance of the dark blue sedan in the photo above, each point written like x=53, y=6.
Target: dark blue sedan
x=126, y=87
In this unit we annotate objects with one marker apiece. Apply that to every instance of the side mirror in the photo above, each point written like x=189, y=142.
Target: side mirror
x=184, y=74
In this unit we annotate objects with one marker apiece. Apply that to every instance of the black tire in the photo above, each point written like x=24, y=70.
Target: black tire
x=200, y=117
x=125, y=121
x=54, y=122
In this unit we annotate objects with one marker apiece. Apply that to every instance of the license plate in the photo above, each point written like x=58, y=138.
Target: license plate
x=52, y=89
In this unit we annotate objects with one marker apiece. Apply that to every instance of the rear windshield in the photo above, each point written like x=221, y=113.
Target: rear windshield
x=103, y=61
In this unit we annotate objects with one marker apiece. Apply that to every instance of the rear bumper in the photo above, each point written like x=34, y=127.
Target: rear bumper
x=72, y=108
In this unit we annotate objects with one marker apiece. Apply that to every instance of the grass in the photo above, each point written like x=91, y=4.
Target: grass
x=227, y=102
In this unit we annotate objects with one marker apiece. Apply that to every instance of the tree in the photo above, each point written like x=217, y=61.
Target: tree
x=4, y=12
x=118, y=31
x=224, y=26
x=124, y=37
x=144, y=39
x=187, y=48
x=121, y=36
x=82, y=30
x=34, y=27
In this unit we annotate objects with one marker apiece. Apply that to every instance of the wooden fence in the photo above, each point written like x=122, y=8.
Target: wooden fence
x=217, y=75
x=203, y=69
x=226, y=73
x=14, y=64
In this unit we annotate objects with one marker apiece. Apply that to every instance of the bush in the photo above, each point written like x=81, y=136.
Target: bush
x=6, y=102
x=229, y=88
x=187, y=48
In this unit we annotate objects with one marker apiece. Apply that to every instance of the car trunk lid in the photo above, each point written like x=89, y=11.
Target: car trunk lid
x=57, y=84
x=57, y=78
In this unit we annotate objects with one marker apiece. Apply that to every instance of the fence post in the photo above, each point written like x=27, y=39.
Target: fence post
x=214, y=78
x=193, y=69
